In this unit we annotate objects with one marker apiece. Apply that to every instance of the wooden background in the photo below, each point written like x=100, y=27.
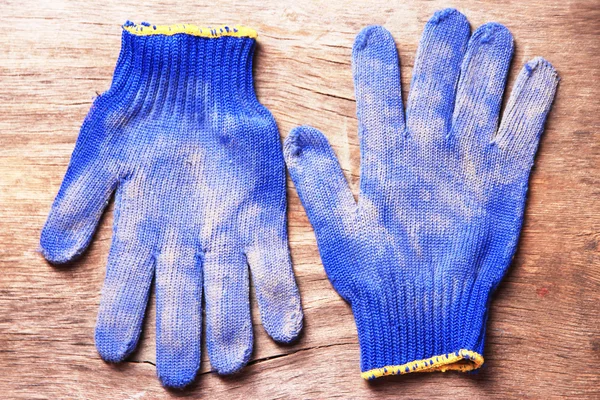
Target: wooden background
x=544, y=333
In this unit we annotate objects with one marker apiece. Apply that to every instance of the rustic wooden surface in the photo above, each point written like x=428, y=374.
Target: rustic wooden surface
x=544, y=332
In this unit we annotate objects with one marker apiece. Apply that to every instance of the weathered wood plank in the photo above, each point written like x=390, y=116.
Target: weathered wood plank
x=544, y=330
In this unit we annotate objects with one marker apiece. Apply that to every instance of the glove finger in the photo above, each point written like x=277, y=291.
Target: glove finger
x=436, y=72
x=178, y=312
x=228, y=323
x=319, y=180
x=83, y=195
x=481, y=85
x=129, y=274
x=75, y=213
x=527, y=109
x=379, y=106
x=276, y=290
x=326, y=197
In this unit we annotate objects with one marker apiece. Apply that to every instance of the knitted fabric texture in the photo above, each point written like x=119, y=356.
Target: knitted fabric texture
x=442, y=192
x=197, y=169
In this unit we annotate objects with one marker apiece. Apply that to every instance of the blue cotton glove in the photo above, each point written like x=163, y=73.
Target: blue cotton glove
x=442, y=193
x=198, y=171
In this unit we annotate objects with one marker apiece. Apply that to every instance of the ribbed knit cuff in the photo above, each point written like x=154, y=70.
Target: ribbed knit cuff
x=412, y=328
x=183, y=69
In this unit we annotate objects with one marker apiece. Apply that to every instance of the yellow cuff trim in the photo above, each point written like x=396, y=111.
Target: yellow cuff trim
x=462, y=360
x=146, y=29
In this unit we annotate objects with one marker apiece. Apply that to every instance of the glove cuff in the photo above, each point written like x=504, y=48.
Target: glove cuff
x=410, y=329
x=166, y=69
x=146, y=29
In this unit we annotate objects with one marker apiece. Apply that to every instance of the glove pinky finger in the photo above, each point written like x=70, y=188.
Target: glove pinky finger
x=276, y=291
x=527, y=109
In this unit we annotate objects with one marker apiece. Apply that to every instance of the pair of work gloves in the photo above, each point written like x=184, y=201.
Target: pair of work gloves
x=197, y=169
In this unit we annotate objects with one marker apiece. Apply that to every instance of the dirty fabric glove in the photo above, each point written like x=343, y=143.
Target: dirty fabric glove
x=441, y=193
x=198, y=171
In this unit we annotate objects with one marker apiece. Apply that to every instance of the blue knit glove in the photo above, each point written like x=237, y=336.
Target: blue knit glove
x=198, y=171
x=441, y=195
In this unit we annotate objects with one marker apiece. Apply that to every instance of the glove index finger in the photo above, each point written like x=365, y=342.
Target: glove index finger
x=376, y=70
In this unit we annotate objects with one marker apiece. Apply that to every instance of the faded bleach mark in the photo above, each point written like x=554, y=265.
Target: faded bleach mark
x=197, y=170
x=442, y=193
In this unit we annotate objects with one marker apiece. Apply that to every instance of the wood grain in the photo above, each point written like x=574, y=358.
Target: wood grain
x=544, y=331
